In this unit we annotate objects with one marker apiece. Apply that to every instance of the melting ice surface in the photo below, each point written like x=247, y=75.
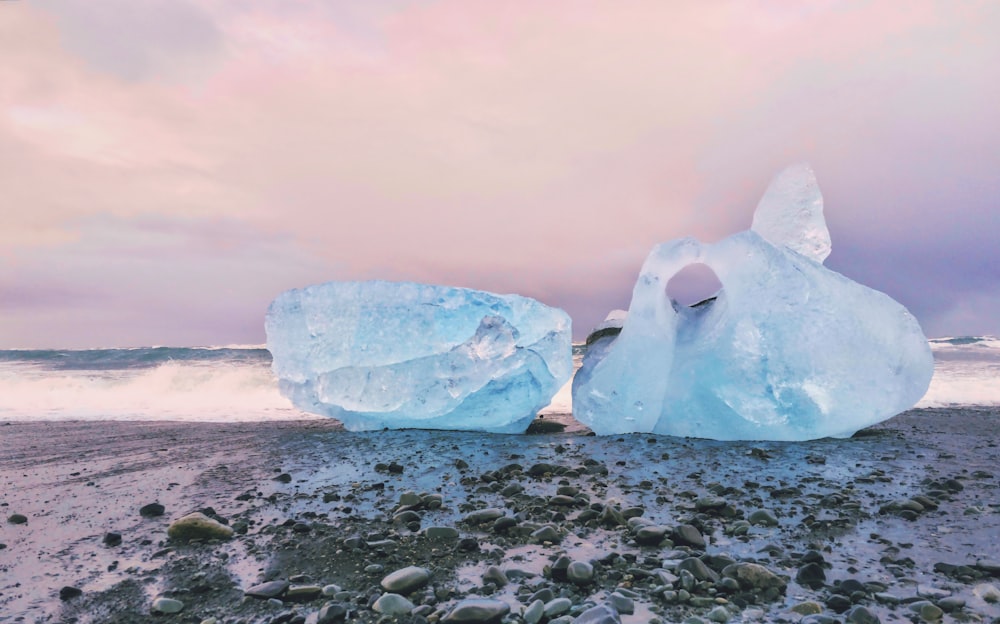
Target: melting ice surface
x=403, y=355
x=787, y=350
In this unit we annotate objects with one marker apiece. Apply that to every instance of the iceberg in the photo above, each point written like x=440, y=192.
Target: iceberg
x=378, y=355
x=786, y=350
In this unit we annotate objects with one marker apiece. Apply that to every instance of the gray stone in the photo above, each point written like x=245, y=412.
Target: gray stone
x=688, y=535
x=547, y=533
x=331, y=590
x=718, y=614
x=928, y=611
x=409, y=499
x=406, y=580
x=484, y=515
x=650, y=535
x=557, y=606
x=167, y=605
x=763, y=517
x=332, y=613
x=477, y=611
x=392, y=604
x=441, y=533
x=496, y=576
x=266, y=591
x=698, y=569
x=580, y=572
x=621, y=603
x=861, y=615
x=533, y=614
x=601, y=614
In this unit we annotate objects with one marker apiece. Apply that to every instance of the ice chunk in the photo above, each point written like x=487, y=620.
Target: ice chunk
x=791, y=213
x=788, y=349
x=404, y=355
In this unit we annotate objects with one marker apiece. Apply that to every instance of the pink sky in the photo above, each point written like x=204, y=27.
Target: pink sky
x=169, y=166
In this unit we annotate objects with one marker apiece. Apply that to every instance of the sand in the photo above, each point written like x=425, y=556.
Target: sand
x=314, y=504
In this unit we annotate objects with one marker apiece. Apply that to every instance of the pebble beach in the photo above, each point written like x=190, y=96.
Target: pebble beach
x=303, y=522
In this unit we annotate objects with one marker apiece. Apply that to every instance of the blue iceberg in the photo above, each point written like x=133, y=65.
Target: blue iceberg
x=787, y=350
x=380, y=355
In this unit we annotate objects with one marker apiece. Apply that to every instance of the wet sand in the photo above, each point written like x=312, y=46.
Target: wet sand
x=315, y=505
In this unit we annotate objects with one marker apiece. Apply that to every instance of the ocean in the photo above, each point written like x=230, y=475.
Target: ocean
x=235, y=383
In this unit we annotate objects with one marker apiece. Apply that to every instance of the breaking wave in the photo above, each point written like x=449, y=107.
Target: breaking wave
x=157, y=383
x=235, y=383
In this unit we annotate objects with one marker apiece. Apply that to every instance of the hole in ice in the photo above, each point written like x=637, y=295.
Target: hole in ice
x=694, y=284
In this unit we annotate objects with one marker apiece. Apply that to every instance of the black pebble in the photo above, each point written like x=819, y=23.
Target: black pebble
x=811, y=575
x=112, y=539
x=68, y=592
x=151, y=510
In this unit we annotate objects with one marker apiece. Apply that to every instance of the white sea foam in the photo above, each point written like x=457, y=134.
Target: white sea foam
x=169, y=391
x=966, y=372
x=241, y=387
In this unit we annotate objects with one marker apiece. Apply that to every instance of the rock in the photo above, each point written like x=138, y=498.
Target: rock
x=987, y=592
x=688, y=535
x=807, y=608
x=698, y=569
x=331, y=590
x=763, y=517
x=718, y=614
x=303, y=593
x=533, y=614
x=18, y=519
x=951, y=604
x=927, y=610
x=409, y=499
x=441, y=533
x=547, y=533
x=601, y=614
x=331, y=613
x=861, y=615
x=406, y=580
x=68, y=593
x=167, y=605
x=393, y=604
x=152, y=510
x=622, y=603
x=266, y=591
x=484, y=515
x=545, y=426
x=198, y=526
x=580, y=572
x=496, y=576
x=650, y=535
x=112, y=539
x=477, y=611
x=838, y=603
x=811, y=575
x=557, y=606
x=754, y=576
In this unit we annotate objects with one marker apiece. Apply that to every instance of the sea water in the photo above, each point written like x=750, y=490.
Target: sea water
x=235, y=383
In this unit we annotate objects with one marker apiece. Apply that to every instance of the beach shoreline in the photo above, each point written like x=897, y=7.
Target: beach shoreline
x=299, y=491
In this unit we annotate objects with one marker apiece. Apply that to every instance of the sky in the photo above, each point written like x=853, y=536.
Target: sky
x=167, y=167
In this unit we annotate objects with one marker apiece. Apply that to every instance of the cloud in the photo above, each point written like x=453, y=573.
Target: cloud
x=482, y=144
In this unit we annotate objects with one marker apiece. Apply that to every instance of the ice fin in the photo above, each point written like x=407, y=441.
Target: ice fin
x=791, y=213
